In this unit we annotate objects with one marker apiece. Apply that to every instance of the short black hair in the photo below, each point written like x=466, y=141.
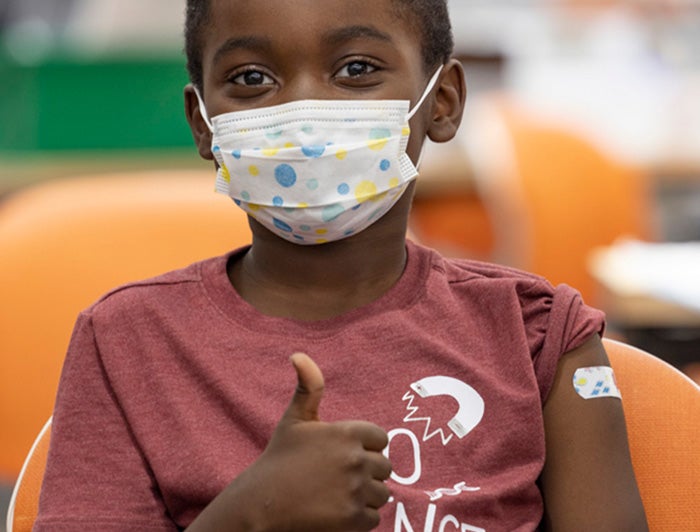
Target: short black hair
x=429, y=17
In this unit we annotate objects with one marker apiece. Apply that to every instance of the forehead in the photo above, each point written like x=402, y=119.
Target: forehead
x=299, y=23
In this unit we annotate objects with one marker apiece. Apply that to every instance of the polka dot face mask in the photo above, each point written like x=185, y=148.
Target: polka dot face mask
x=315, y=171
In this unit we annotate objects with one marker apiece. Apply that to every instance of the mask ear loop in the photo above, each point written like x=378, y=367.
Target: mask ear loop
x=431, y=85
x=203, y=110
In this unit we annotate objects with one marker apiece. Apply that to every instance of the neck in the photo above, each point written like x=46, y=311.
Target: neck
x=283, y=279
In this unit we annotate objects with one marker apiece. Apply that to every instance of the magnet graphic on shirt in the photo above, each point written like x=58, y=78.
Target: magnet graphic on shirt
x=596, y=381
x=471, y=404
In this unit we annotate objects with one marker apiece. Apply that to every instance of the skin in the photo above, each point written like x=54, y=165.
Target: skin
x=329, y=477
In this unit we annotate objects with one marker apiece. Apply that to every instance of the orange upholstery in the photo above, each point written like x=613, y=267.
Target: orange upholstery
x=554, y=196
x=455, y=224
x=66, y=242
x=662, y=411
x=447, y=213
x=24, y=504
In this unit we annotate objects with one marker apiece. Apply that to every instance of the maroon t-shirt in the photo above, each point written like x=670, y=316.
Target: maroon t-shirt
x=173, y=385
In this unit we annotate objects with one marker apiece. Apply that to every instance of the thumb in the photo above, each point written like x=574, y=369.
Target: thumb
x=307, y=397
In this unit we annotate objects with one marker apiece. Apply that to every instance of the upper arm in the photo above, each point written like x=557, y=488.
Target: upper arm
x=587, y=482
x=95, y=476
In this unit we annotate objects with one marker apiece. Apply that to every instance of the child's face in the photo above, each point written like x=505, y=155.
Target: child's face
x=259, y=53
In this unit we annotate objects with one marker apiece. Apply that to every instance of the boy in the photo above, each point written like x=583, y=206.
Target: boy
x=173, y=410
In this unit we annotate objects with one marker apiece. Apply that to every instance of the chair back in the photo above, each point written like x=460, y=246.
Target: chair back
x=24, y=502
x=662, y=413
x=66, y=242
x=553, y=195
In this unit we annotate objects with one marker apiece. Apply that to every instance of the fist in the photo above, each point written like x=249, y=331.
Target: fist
x=322, y=476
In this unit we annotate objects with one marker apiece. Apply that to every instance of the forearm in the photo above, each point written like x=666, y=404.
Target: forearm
x=234, y=509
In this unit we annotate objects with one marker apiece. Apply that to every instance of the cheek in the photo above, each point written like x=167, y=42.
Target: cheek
x=415, y=142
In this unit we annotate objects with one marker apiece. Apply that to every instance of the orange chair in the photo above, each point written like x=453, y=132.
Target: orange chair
x=63, y=244
x=24, y=502
x=447, y=213
x=553, y=195
x=662, y=412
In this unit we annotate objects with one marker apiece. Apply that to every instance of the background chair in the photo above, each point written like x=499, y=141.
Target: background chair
x=662, y=412
x=24, y=504
x=551, y=193
x=66, y=242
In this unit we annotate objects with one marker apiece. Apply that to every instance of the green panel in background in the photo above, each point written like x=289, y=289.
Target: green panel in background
x=107, y=104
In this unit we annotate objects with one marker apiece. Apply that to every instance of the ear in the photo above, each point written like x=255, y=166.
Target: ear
x=199, y=128
x=449, y=102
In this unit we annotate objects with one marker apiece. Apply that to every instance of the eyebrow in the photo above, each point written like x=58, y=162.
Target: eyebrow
x=251, y=42
x=339, y=36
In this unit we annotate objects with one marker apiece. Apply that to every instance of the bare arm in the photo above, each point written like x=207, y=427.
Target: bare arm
x=588, y=482
x=313, y=476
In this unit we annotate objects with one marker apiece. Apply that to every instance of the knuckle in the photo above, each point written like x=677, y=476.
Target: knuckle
x=355, y=459
x=383, y=438
x=386, y=469
x=370, y=518
x=386, y=495
x=352, y=514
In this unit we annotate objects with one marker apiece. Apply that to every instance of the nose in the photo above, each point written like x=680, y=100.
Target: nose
x=306, y=86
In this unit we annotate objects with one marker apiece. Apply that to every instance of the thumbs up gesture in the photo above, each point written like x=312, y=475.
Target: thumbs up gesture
x=313, y=476
x=336, y=470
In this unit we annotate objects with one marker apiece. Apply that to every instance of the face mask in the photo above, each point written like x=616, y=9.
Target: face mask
x=315, y=171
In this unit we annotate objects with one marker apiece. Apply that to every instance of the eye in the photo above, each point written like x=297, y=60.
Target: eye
x=355, y=69
x=252, y=78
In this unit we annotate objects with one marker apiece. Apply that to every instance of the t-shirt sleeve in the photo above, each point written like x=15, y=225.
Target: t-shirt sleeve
x=556, y=321
x=96, y=477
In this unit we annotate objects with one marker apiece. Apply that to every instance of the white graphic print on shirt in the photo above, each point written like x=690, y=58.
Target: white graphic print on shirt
x=422, y=428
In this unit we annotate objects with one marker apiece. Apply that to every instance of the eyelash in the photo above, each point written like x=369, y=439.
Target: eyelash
x=372, y=66
x=367, y=63
x=249, y=70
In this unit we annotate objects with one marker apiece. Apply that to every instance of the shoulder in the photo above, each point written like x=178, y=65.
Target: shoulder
x=476, y=276
x=550, y=319
x=170, y=289
x=543, y=304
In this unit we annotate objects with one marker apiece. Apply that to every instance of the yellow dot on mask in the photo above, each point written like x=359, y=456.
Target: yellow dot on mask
x=394, y=182
x=289, y=145
x=269, y=152
x=303, y=205
x=321, y=231
x=406, y=131
x=341, y=154
x=225, y=173
x=365, y=190
x=254, y=206
x=254, y=170
x=321, y=241
x=377, y=144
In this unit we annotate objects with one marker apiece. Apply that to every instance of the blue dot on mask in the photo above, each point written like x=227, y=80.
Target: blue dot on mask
x=285, y=175
x=379, y=133
x=331, y=212
x=313, y=151
x=279, y=224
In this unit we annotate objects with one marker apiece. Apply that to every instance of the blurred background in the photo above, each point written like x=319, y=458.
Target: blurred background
x=579, y=156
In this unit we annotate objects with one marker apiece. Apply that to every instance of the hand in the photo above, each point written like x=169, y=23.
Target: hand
x=316, y=476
